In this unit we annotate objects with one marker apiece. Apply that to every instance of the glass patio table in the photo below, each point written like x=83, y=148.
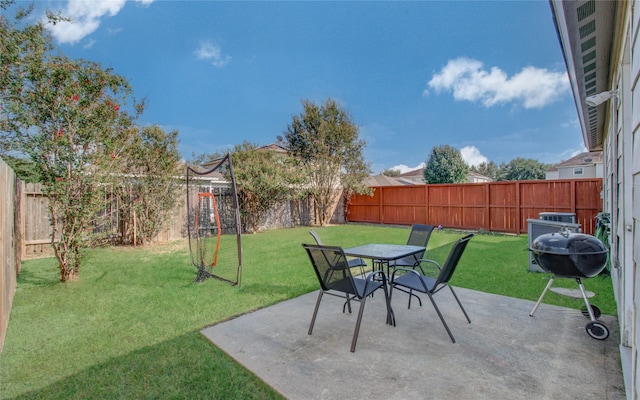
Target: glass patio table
x=382, y=254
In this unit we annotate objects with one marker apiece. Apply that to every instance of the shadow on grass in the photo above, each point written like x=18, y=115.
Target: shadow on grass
x=186, y=367
x=44, y=274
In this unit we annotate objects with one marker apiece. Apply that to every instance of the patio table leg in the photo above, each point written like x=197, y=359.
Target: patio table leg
x=391, y=318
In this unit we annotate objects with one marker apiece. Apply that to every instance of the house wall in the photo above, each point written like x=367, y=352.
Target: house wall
x=599, y=170
x=551, y=175
x=631, y=152
x=477, y=179
x=588, y=171
x=621, y=186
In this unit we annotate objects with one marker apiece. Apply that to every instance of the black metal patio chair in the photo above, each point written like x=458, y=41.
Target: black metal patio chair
x=335, y=278
x=353, y=262
x=416, y=279
x=419, y=236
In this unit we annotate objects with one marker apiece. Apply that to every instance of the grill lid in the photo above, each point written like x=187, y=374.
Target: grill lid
x=567, y=243
x=570, y=254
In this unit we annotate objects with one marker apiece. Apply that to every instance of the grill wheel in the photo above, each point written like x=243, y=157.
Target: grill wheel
x=596, y=312
x=597, y=330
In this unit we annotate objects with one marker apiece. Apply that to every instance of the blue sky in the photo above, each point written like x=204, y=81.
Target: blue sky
x=486, y=77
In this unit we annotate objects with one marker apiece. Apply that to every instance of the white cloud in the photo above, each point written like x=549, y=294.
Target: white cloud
x=569, y=153
x=468, y=80
x=472, y=156
x=211, y=51
x=405, y=168
x=85, y=17
x=573, y=123
x=89, y=44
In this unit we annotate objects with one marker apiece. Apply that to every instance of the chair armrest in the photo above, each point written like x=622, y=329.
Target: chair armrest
x=428, y=262
x=356, y=262
x=371, y=276
x=406, y=270
x=421, y=279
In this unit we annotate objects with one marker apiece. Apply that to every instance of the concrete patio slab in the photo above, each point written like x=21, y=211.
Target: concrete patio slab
x=503, y=354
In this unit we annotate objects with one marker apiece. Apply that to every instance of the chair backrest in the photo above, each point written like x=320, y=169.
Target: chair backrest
x=331, y=268
x=315, y=237
x=420, y=235
x=451, y=263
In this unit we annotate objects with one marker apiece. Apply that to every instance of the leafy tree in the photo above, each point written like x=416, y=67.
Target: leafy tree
x=445, y=165
x=18, y=48
x=25, y=169
x=489, y=169
x=327, y=142
x=522, y=169
x=150, y=188
x=197, y=160
x=70, y=118
x=391, y=172
x=263, y=179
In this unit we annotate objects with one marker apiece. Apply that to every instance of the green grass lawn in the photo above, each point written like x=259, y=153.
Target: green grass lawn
x=130, y=328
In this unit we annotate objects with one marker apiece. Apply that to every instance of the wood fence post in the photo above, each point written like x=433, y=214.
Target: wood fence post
x=23, y=202
x=573, y=197
x=487, y=205
x=381, y=208
x=518, y=208
x=426, y=204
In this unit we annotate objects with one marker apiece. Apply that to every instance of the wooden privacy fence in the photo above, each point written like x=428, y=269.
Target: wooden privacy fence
x=491, y=206
x=9, y=243
x=37, y=225
x=36, y=222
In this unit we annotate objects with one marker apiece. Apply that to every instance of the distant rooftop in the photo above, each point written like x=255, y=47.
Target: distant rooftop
x=581, y=160
x=278, y=147
x=416, y=173
x=383, y=180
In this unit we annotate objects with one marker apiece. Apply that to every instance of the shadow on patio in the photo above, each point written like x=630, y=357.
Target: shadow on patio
x=502, y=354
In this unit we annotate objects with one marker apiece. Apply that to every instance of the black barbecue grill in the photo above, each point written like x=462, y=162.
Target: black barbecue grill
x=572, y=255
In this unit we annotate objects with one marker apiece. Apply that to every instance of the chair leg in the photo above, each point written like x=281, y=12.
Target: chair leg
x=315, y=312
x=357, y=331
x=347, y=303
x=413, y=295
x=460, y=304
x=441, y=317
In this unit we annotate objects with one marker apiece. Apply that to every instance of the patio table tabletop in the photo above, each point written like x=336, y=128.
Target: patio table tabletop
x=382, y=253
x=385, y=252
